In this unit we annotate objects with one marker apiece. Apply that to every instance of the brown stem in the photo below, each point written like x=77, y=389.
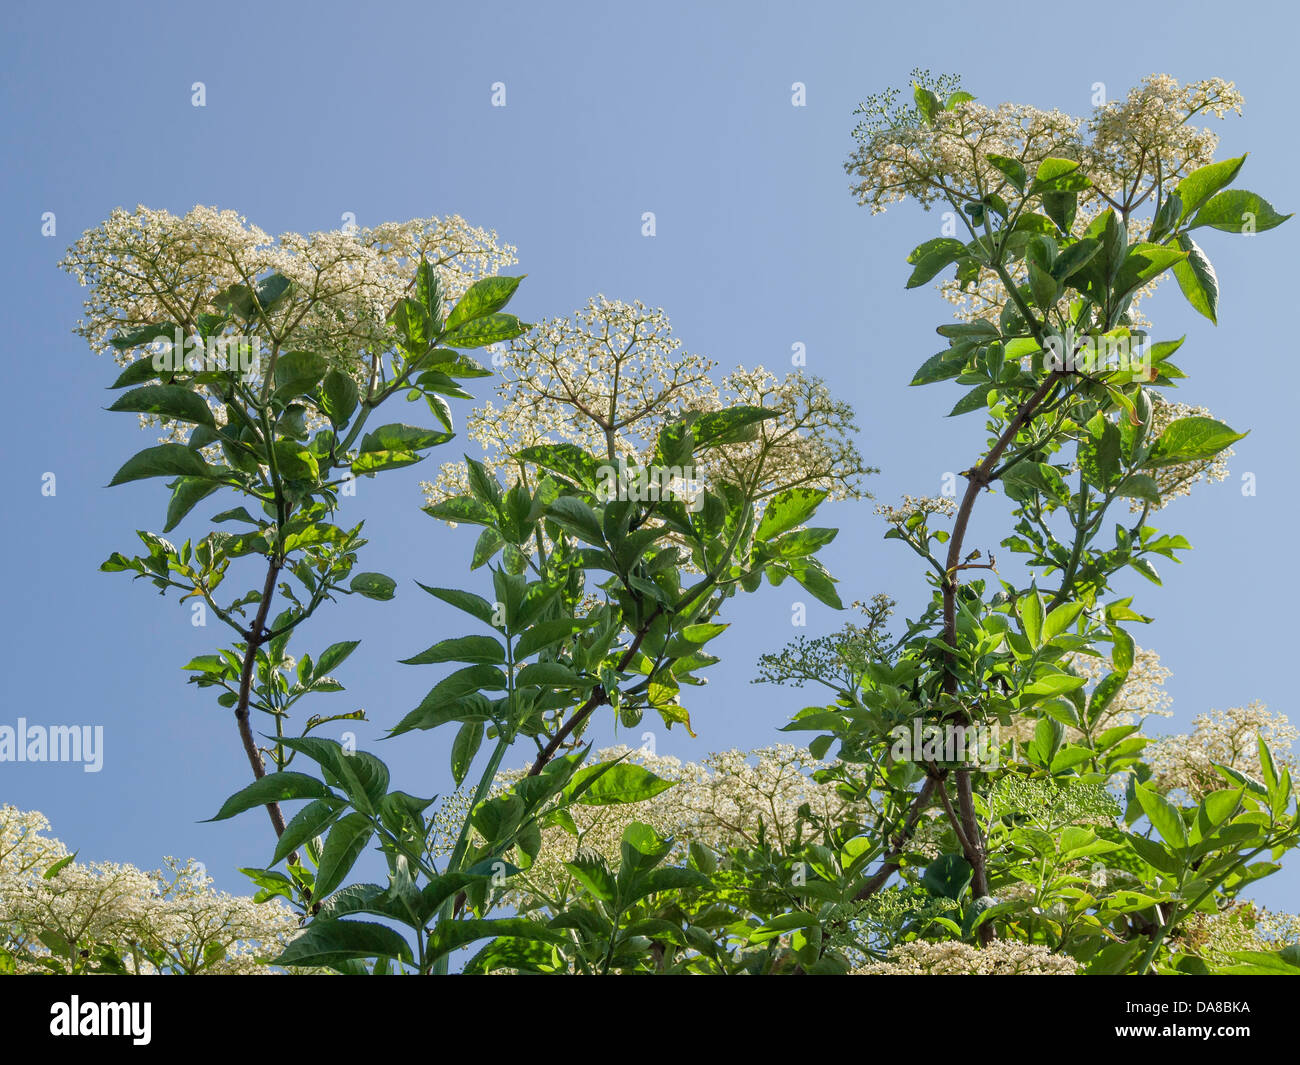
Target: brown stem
x=966, y=826
x=964, y=838
x=256, y=636
x=597, y=698
x=891, y=866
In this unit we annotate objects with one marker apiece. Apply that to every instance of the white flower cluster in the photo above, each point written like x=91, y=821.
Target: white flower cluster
x=1178, y=479
x=146, y=267
x=1142, y=695
x=1124, y=148
x=899, y=157
x=724, y=801
x=1002, y=957
x=913, y=505
x=611, y=376
x=168, y=921
x=1226, y=737
x=1243, y=926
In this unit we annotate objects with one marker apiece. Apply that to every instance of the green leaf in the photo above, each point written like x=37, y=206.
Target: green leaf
x=1197, y=279
x=578, y=518
x=466, y=601
x=411, y=320
x=476, y=649
x=551, y=675
x=1144, y=263
x=1238, y=211
x=815, y=580
x=339, y=398
x=463, y=749
x=372, y=462
x=1012, y=168
x=1100, y=453
x=334, y=655
x=1219, y=805
x=978, y=328
x=167, y=401
x=1075, y=258
x=1260, y=963
x=702, y=633
x=466, y=681
x=490, y=329
x=1102, y=696
x=274, y=787
x=451, y=935
x=343, y=846
x=1060, y=619
x=1163, y=815
x=1140, y=486
x=398, y=437
x=138, y=373
x=306, y=824
x=1024, y=478
x=461, y=509
x=331, y=943
x=592, y=872
x=1031, y=617
x=1144, y=567
x=787, y=509
x=187, y=493
x=297, y=373
x=363, y=776
x=927, y=104
x=731, y=426
x=975, y=399
x=1061, y=208
x=933, y=256
x=622, y=782
x=947, y=876
x=271, y=290
x=1052, y=684
x=428, y=290
x=568, y=460
x=940, y=367
x=294, y=461
x=1201, y=184
x=546, y=633
x=1058, y=175
x=488, y=544
x=1191, y=440
x=373, y=586
x=1122, y=650
x=482, y=298
x=162, y=461
x=146, y=335
x=58, y=866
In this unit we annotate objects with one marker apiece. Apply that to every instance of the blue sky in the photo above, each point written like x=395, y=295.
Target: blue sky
x=612, y=110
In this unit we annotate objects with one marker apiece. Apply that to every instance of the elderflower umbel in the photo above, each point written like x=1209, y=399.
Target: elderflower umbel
x=1227, y=737
x=146, y=267
x=912, y=505
x=1002, y=957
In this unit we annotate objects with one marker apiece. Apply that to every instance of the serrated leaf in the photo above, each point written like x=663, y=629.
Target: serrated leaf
x=274, y=787
x=167, y=401
x=482, y=298
x=162, y=461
